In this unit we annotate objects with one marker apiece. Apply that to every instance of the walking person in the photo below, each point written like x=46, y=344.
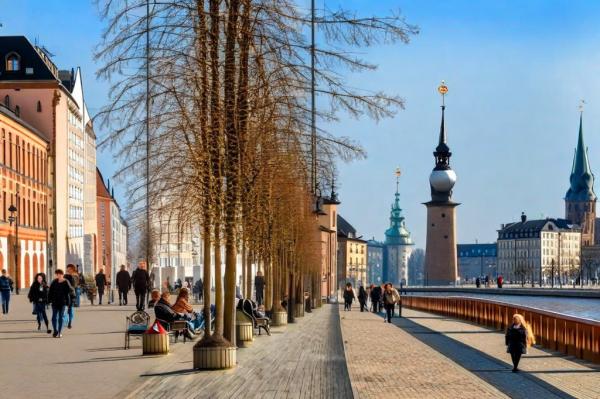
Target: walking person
x=259, y=287
x=6, y=287
x=100, y=284
x=73, y=278
x=60, y=296
x=390, y=298
x=123, y=284
x=376, y=298
x=348, y=297
x=38, y=296
x=140, y=279
x=199, y=289
x=362, y=298
x=519, y=337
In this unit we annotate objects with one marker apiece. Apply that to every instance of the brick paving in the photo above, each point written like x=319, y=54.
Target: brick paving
x=302, y=360
x=384, y=360
x=481, y=351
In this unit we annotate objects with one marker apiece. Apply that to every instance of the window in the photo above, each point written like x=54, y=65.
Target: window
x=7, y=101
x=17, y=111
x=13, y=62
x=39, y=106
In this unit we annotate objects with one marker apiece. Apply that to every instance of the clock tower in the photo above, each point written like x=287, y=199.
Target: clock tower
x=440, y=250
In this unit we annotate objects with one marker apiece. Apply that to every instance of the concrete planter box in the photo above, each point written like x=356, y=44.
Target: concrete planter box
x=279, y=318
x=214, y=358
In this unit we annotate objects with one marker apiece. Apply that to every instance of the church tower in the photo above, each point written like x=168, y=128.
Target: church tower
x=398, y=244
x=580, y=200
x=440, y=250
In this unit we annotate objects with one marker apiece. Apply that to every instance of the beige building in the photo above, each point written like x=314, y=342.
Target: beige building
x=352, y=256
x=329, y=246
x=52, y=101
x=533, y=251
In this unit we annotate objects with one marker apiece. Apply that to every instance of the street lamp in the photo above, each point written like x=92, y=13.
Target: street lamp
x=14, y=218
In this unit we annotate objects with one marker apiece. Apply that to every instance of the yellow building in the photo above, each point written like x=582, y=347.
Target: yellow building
x=352, y=256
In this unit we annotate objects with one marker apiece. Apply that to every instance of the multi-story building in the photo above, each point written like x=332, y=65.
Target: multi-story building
x=352, y=256
x=52, y=101
x=398, y=244
x=375, y=261
x=476, y=260
x=537, y=251
x=329, y=246
x=24, y=196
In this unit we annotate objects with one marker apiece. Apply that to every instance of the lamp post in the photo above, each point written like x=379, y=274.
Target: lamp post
x=14, y=218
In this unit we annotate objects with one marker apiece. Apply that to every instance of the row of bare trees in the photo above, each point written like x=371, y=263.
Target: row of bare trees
x=229, y=133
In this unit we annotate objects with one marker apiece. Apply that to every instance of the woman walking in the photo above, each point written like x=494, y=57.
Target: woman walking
x=362, y=298
x=38, y=296
x=519, y=337
x=390, y=297
x=348, y=297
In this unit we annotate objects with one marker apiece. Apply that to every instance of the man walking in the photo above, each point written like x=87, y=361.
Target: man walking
x=6, y=287
x=259, y=287
x=60, y=295
x=123, y=284
x=199, y=289
x=376, y=298
x=73, y=278
x=100, y=284
x=140, y=279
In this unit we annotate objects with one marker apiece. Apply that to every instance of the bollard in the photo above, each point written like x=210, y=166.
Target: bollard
x=155, y=340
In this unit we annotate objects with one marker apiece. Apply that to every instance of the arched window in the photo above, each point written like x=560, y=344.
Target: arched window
x=13, y=62
x=39, y=106
x=7, y=101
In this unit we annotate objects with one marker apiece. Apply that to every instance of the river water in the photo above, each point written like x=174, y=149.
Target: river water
x=588, y=308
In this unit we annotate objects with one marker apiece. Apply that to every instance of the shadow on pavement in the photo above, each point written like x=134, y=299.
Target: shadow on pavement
x=497, y=373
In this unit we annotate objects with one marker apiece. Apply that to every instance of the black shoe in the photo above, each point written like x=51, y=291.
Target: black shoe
x=69, y=326
x=48, y=331
x=39, y=326
x=54, y=334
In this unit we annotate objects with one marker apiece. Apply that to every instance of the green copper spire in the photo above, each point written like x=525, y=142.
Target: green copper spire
x=582, y=178
x=397, y=233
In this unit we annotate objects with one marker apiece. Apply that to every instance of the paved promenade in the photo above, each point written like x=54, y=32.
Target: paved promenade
x=428, y=356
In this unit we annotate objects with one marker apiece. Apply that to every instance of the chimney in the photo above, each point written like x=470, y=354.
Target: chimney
x=523, y=217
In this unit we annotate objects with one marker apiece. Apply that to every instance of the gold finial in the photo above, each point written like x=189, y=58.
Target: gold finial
x=443, y=89
x=581, y=105
x=398, y=172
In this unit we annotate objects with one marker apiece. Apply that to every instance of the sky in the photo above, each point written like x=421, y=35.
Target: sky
x=516, y=71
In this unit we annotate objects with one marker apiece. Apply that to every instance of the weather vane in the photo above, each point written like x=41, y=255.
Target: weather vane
x=398, y=173
x=581, y=105
x=443, y=89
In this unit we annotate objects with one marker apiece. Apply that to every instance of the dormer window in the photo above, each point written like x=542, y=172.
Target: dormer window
x=13, y=62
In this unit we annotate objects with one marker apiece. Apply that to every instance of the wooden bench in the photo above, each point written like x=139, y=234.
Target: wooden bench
x=175, y=328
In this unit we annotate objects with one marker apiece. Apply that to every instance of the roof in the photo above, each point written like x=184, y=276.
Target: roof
x=397, y=233
x=11, y=115
x=532, y=228
x=582, y=179
x=374, y=243
x=344, y=228
x=476, y=250
x=101, y=189
x=35, y=64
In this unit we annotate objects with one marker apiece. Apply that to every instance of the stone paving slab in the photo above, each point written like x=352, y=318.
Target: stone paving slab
x=302, y=360
x=481, y=350
x=386, y=361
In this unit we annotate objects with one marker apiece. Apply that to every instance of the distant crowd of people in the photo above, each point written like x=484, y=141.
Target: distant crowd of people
x=377, y=298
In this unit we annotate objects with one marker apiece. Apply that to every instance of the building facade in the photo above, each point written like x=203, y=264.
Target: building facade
x=24, y=197
x=328, y=237
x=477, y=260
x=352, y=256
x=539, y=251
x=375, y=262
x=52, y=101
x=440, y=251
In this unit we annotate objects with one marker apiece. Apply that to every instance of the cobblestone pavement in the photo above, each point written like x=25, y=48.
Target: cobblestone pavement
x=301, y=360
x=386, y=361
x=481, y=351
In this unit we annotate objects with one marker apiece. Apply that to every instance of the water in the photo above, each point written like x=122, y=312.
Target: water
x=588, y=308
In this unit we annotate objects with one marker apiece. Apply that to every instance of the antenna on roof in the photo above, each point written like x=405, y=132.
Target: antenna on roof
x=47, y=52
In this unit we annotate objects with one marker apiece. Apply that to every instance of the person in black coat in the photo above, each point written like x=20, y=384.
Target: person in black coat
x=140, y=279
x=348, y=297
x=259, y=287
x=123, y=284
x=199, y=289
x=60, y=295
x=100, y=285
x=519, y=337
x=376, y=298
x=362, y=298
x=38, y=296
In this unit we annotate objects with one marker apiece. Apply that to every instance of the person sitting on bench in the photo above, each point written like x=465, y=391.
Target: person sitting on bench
x=182, y=306
x=165, y=314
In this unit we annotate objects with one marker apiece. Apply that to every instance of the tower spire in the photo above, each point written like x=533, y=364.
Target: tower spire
x=582, y=178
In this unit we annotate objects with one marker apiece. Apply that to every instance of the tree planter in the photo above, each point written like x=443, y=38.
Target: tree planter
x=280, y=318
x=244, y=333
x=214, y=358
x=299, y=308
